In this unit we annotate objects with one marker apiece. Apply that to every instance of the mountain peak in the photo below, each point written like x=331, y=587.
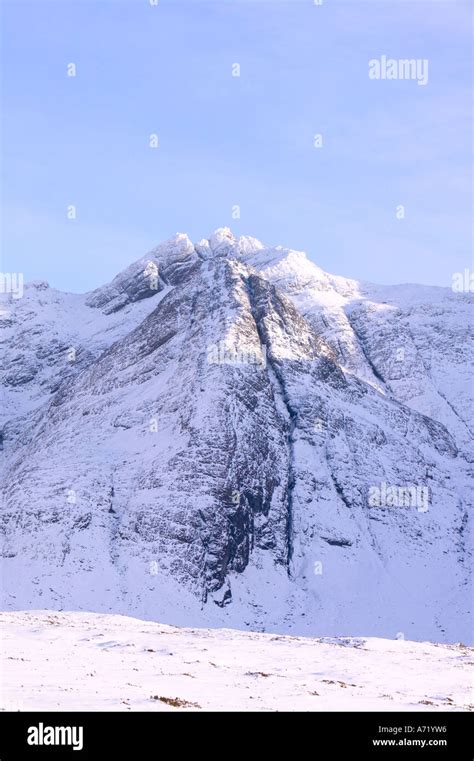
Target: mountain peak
x=222, y=235
x=223, y=242
x=197, y=440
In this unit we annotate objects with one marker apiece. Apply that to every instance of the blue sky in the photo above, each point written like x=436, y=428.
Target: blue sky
x=226, y=141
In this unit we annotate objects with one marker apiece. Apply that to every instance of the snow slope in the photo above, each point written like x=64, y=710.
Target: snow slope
x=198, y=446
x=69, y=661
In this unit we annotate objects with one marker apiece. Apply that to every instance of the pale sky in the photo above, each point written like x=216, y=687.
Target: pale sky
x=227, y=141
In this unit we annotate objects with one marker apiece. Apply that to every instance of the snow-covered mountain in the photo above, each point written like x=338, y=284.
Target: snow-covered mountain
x=226, y=435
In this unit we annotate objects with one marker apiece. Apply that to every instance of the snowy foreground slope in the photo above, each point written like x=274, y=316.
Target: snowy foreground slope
x=73, y=661
x=199, y=442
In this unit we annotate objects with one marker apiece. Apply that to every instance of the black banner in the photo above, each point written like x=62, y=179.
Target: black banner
x=136, y=735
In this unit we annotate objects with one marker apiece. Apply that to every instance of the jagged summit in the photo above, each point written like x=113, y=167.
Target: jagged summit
x=223, y=243
x=169, y=262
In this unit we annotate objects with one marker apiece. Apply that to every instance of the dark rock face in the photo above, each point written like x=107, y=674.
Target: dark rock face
x=208, y=443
